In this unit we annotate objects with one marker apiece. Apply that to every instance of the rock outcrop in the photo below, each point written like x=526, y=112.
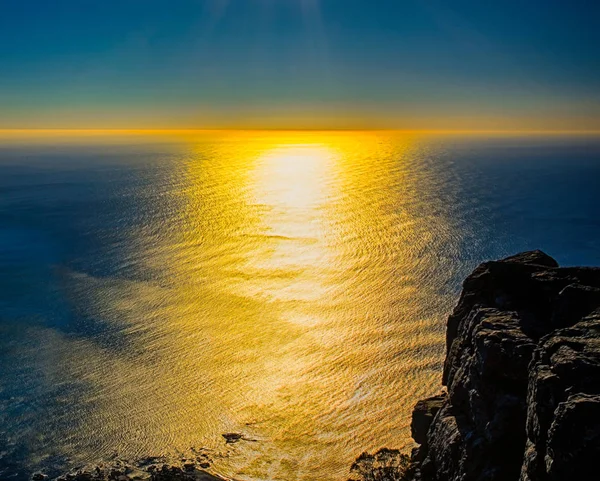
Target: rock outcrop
x=521, y=376
x=148, y=469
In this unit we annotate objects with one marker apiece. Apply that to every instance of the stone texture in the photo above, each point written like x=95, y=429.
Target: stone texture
x=423, y=415
x=522, y=373
x=148, y=469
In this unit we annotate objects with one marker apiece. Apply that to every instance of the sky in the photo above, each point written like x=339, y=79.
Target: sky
x=404, y=64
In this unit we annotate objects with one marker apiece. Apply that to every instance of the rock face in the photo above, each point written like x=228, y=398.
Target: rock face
x=522, y=378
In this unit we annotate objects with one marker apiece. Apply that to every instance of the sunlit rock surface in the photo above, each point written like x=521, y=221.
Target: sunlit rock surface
x=522, y=378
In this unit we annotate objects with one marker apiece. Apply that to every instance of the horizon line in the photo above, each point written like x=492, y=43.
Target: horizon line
x=256, y=129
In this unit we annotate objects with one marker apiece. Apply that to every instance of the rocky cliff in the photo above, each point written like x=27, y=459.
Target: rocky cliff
x=522, y=378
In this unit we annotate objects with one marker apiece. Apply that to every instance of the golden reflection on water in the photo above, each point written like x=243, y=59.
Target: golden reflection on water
x=291, y=294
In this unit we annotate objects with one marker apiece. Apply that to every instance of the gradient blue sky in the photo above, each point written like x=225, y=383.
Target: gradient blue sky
x=409, y=64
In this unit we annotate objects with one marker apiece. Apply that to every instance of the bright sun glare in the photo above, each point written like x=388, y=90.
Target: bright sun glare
x=291, y=176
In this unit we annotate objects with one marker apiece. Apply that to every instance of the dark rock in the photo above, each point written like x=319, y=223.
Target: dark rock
x=169, y=473
x=573, y=447
x=114, y=474
x=39, y=477
x=512, y=284
x=143, y=470
x=563, y=421
x=422, y=416
x=231, y=438
x=532, y=257
x=574, y=302
x=522, y=372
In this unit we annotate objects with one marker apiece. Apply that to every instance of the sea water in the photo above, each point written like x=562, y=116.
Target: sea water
x=160, y=289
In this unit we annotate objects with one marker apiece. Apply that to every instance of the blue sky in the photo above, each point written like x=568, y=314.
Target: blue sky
x=410, y=64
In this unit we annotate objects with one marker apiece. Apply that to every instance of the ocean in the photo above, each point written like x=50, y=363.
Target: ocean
x=159, y=289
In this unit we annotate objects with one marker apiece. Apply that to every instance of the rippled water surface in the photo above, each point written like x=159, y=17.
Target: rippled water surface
x=159, y=290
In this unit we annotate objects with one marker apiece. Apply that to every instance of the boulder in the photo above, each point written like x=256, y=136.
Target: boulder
x=423, y=415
